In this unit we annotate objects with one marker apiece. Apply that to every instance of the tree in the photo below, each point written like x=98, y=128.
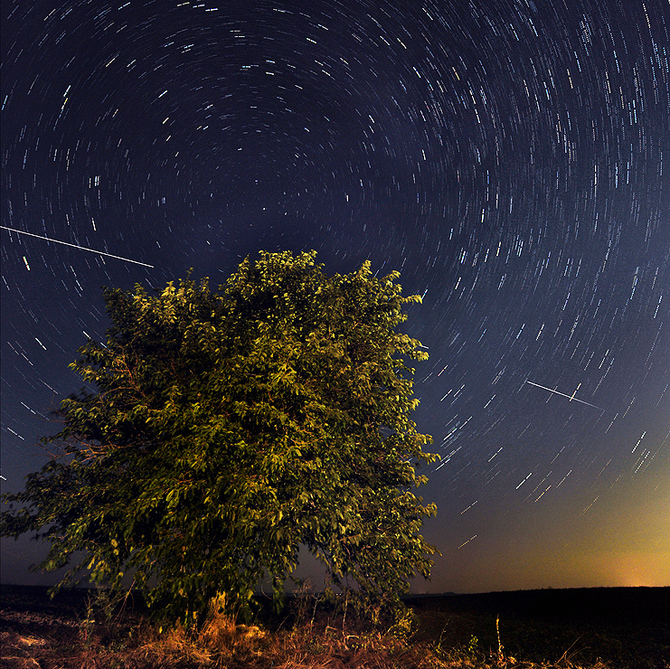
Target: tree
x=220, y=431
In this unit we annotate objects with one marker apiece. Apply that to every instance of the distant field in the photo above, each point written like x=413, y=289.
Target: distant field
x=621, y=627
x=601, y=628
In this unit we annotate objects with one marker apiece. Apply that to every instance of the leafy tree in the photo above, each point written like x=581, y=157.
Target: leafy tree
x=220, y=431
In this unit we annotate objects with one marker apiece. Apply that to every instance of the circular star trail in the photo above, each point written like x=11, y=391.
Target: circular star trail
x=511, y=158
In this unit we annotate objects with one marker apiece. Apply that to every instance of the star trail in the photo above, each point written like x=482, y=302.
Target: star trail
x=511, y=158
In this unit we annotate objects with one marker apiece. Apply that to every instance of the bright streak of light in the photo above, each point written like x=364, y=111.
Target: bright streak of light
x=467, y=542
x=75, y=246
x=572, y=397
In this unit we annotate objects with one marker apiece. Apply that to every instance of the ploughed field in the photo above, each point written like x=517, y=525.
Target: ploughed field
x=592, y=628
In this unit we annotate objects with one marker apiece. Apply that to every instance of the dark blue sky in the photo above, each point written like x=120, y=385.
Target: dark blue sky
x=510, y=158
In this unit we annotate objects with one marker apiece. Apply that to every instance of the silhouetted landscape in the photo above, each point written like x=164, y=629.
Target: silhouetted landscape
x=595, y=628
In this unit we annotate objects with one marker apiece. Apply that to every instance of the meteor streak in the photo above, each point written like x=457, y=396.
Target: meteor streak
x=572, y=397
x=76, y=246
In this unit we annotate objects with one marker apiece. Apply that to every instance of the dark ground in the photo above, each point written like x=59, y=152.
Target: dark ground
x=613, y=628
x=623, y=627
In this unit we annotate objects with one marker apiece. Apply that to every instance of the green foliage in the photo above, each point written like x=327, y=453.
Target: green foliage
x=223, y=430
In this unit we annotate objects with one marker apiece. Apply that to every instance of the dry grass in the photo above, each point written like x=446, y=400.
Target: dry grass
x=435, y=634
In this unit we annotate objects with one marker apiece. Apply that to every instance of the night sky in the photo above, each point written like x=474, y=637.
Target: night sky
x=510, y=157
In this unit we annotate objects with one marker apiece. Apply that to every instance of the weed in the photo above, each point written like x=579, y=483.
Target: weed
x=473, y=648
x=87, y=628
x=405, y=627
